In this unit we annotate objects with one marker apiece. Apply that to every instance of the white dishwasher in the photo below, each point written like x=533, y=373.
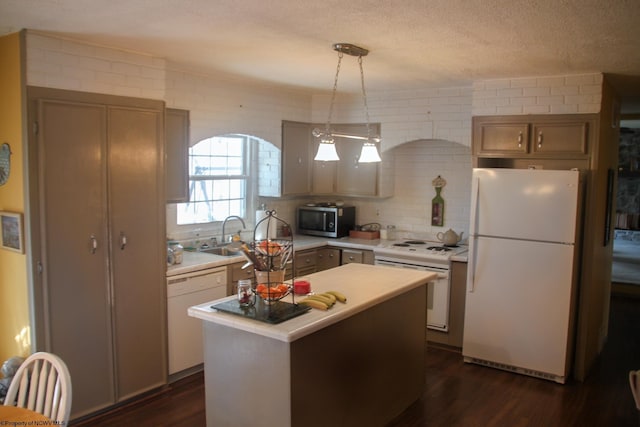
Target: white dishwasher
x=185, y=332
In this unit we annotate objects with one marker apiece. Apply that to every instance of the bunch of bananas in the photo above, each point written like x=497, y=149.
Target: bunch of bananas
x=325, y=300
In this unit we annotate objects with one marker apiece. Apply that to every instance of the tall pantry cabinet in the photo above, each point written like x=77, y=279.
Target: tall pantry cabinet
x=98, y=226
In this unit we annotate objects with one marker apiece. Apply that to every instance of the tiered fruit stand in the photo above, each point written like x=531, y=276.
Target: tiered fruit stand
x=269, y=256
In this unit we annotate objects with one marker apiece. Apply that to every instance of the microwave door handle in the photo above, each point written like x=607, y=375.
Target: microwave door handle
x=324, y=221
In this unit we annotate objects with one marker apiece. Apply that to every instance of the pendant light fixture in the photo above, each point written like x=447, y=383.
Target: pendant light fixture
x=327, y=148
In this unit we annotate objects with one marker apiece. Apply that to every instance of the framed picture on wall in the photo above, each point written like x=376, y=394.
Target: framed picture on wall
x=11, y=237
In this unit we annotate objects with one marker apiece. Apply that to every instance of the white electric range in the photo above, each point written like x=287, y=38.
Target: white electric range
x=427, y=256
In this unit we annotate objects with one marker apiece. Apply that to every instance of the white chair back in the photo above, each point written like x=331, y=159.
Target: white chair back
x=634, y=382
x=42, y=384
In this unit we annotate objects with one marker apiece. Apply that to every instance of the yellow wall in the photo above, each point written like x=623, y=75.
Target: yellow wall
x=14, y=300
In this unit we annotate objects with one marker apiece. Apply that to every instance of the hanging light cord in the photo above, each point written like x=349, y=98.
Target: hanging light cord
x=364, y=99
x=333, y=96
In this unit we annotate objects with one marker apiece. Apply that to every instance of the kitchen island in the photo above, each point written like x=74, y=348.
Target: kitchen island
x=359, y=363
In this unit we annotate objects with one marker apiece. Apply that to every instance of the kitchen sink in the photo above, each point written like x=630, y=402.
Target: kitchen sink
x=220, y=251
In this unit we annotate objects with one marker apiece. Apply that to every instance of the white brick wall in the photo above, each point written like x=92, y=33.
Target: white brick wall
x=538, y=95
x=64, y=64
x=417, y=164
x=428, y=128
x=220, y=105
x=406, y=115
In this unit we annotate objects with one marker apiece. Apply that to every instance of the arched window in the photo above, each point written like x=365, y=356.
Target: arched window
x=218, y=179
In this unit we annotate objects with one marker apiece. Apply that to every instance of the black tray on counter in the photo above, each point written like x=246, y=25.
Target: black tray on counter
x=275, y=313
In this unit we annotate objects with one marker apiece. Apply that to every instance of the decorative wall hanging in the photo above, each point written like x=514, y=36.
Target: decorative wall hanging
x=437, y=203
x=11, y=231
x=5, y=163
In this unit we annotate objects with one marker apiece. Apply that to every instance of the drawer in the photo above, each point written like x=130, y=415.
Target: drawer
x=238, y=273
x=350, y=255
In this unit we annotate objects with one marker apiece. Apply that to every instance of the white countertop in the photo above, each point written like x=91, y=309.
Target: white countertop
x=363, y=285
x=195, y=261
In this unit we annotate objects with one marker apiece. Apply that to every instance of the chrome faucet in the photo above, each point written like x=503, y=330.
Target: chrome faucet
x=224, y=223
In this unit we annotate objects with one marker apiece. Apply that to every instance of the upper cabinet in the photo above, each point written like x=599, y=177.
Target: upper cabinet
x=296, y=158
x=542, y=136
x=301, y=175
x=177, y=149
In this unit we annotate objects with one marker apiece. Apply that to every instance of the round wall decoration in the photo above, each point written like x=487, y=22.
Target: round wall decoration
x=5, y=163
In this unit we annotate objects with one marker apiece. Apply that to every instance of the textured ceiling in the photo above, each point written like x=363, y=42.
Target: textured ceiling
x=412, y=43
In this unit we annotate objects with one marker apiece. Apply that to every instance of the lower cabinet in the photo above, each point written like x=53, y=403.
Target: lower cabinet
x=305, y=262
x=457, y=298
x=236, y=273
x=358, y=256
x=327, y=258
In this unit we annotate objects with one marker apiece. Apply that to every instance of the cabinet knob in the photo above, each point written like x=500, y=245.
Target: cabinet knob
x=520, y=140
x=540, y=139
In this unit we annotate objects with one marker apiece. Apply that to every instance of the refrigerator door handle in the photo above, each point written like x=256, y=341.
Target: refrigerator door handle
x=471, y=276
x=475, y=194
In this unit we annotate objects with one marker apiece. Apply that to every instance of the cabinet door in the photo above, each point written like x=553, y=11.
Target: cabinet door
x=296, y=173
x=72, y=206
x=136, y=196
x=305, y=262
x=324, y=176
x=353, y=178
x=557, y=138
x=327, y=258
x=493, y=136
x=236, y=273
x=352, y=255
x=177, y=146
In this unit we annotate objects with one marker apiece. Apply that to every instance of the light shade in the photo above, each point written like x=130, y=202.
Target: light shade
x=326, y=148
x=369, y=154
x=327, y=152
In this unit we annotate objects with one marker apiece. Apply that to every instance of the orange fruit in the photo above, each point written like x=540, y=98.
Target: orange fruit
x=269, y=247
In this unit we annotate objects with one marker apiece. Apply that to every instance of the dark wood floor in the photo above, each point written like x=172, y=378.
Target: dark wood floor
x=459, y=394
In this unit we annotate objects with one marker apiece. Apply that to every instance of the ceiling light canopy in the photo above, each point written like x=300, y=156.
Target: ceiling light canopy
x=326, y=148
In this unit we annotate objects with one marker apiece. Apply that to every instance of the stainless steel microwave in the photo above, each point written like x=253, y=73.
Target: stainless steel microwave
x=326, y=221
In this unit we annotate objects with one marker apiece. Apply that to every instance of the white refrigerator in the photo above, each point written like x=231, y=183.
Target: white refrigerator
x=518, y=314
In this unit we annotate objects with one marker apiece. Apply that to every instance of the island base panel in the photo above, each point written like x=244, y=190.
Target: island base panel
x=246, y=378
x=361, y=371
